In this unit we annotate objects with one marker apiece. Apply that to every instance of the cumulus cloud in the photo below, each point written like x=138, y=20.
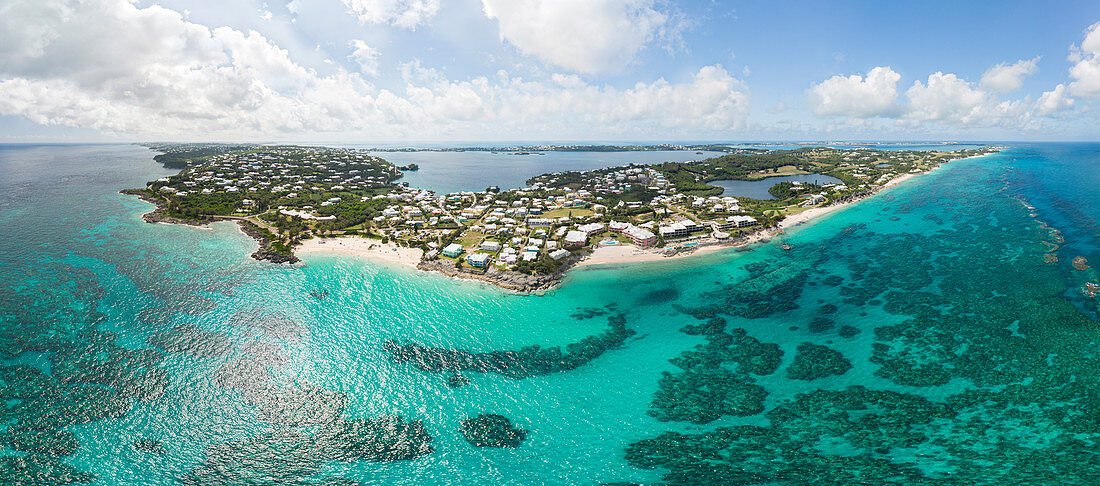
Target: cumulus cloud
x=855, y=95
x=114, y=66
x=588, y=36
x=942, y=99
x=1006, y=78
x=951, y=100
x=406, y=14
x=1086, y=68
x=946, y=97
x=365, y=56
x=1054, y=101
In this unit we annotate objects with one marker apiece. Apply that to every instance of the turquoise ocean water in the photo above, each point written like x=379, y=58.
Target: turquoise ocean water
x=918, y=337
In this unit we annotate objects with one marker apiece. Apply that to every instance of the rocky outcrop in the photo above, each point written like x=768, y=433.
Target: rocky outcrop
x=159, y=215
x=501, y=278
x=267, y=250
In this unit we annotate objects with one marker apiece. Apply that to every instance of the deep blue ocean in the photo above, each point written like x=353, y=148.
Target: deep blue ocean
x=939, y=332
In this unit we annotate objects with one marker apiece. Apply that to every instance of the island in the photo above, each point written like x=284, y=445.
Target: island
x=295, y=199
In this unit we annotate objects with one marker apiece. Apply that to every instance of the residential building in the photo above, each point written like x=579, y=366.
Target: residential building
x=576, y=238
x=641, y=237
x=591, y=228
x=479, y=260
x=559, y=254
x=452, y=250
x=742, y=221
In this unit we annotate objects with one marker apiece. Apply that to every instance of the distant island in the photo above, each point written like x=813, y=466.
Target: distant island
x=310, y=199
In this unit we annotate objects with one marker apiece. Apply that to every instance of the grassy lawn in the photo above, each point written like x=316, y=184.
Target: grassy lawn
x=576, y=212
x=470, y=240
x=785, y=170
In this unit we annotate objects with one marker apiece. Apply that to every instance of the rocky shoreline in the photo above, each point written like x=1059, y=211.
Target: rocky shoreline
x=264, y=253
x=508, y=280
x=158, y=215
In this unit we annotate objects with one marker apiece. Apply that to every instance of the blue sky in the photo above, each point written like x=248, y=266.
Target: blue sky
x=407, y=71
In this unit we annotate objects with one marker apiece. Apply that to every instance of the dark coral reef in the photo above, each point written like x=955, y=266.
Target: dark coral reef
x=522, y=363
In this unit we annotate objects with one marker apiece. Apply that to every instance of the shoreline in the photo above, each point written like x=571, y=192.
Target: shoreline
x=818, y=211
x=262, y=236
x=627, y=253
x=359, y=246
x=374, y=249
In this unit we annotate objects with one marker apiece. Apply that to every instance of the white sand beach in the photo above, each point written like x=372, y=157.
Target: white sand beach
x=362, y=247
x=816, y=212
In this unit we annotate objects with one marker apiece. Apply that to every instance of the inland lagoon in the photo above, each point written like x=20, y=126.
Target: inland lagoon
x=758, y=189
x=940, y=332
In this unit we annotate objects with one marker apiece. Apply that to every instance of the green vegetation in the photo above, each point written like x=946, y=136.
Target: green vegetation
x=291, y=193
x=787, y=190
x=544, y=265
x=180, y=156
x=295, y=189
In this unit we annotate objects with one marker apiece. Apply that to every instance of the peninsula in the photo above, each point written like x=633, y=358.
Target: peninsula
x=311, y=199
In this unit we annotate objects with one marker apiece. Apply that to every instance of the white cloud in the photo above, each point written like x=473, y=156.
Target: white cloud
x=588, y=36
x=948, y=99
x=1006, y=78
x=1054, y=101
x=113, y=66
x=712, y=100
x=408, y=14
x=265, y=13
x=1086, y=70
x=943, y=99
x=365, y=56
x=855, y=96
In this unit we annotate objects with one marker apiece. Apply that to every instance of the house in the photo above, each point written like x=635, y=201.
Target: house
x=479, y=260
x=742, y=221
x=490, y=246
x=576, y=238
x=452, y=250
x=559, y=254
x=591, y=228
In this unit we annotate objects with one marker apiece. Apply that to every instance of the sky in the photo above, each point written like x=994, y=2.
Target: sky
x=459, y=71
